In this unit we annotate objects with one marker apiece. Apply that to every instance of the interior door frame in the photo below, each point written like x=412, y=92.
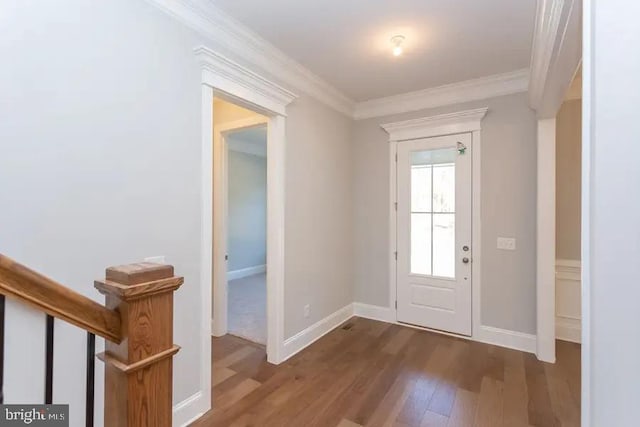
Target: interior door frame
x=467, y=121
x=219, y=322
x=225, y=78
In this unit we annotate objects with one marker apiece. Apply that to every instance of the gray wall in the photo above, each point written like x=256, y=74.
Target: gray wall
x=508, y=209
x=568, y=180
x=247, y=196
x=100, y=165
x=318, y=253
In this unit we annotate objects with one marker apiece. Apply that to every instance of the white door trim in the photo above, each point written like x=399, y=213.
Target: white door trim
x=219, y=324
x=223, y=77
x=439, y=125
x=556, y=55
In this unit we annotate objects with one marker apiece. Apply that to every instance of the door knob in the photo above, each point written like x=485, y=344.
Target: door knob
x=465, y=260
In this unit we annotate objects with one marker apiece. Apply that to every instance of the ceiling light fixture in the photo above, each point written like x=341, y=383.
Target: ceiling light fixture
x=397, y=44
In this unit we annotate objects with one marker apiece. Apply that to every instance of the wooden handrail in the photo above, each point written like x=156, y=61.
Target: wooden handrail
x=44, y=294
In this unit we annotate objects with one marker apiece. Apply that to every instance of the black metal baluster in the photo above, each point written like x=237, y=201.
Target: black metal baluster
x=91, y=370
x=1, y=349
x=48, y=385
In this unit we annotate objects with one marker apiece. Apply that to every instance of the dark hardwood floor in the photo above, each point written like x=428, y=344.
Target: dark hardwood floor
x=368, y=373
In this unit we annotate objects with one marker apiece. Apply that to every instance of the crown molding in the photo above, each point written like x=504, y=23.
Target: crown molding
x=219, y=71
x=442, y=124
x=455, y=93
x=556, y=54
x=206, y=19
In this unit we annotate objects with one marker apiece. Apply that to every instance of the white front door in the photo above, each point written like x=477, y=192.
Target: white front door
x=434, y=233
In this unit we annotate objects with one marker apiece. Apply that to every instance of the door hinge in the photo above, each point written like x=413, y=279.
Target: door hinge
x=396, y=304
x=396, y=205
x=226, y=257
x=396, y=255
x=396, y=157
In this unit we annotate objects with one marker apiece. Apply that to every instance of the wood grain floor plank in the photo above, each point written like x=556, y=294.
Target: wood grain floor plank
x=367, y=373
x=490, y=404
x=464, y=409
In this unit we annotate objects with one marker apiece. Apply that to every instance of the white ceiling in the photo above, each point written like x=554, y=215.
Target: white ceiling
x=346, y=42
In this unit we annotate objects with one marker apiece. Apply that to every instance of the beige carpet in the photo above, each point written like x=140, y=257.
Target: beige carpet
x=248, y=308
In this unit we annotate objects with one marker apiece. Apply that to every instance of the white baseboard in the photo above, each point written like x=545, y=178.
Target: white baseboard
x=486, y=334
x=506, y=338
x=374, y=312
x=308, y=336
x=244, y=272
x=568, y=329
x=189, y=410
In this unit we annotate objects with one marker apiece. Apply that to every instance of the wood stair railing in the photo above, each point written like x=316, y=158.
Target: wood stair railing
x=137, y=324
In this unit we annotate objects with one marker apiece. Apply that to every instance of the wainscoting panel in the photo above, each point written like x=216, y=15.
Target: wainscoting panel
x=568, y=300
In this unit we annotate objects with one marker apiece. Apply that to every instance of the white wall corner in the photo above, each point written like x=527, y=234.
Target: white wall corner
x=556, y=54
x=218, y=27
x=455, y=93
x=308, y=336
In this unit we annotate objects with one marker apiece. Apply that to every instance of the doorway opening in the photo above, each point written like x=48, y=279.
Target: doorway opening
x=240, y=222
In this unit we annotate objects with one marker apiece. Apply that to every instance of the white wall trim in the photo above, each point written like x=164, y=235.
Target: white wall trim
x=555, y=54
x=189, y=410
x=374, y=312
x=568, y=296
x=220, y=71
x=308, y=336
x=245, y=272
x=455, y=93
x=442, y=124
x=205, y=18
x=506, y=338
x=486, y=334
x=546, y=241
x=220, y=77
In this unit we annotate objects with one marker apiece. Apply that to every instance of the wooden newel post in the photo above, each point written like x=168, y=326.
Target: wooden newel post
x=138, y=371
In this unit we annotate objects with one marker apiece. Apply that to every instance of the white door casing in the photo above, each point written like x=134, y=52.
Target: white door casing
x=434, y=281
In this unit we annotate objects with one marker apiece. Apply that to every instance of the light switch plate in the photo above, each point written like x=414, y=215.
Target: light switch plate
x=507, y=243
x=155, y=259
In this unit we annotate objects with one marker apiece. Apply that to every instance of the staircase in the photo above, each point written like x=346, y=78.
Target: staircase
x=136, y=323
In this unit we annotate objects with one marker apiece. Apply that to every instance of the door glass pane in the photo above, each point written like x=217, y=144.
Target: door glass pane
x=444, y=188
x=444, y=245
x=433, y=212
x=421, y=243
x=421, y=188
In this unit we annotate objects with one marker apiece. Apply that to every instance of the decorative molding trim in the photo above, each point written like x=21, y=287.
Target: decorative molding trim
x=568, y=329
x=442, y=124
x=568, y=300
x=308, y=336
x=455, y=93
x=244, y=272
x=219, y=71
x=189, y=410
x=506, y=338
x=556, y=54
x=374, y=312
x=220, y=28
